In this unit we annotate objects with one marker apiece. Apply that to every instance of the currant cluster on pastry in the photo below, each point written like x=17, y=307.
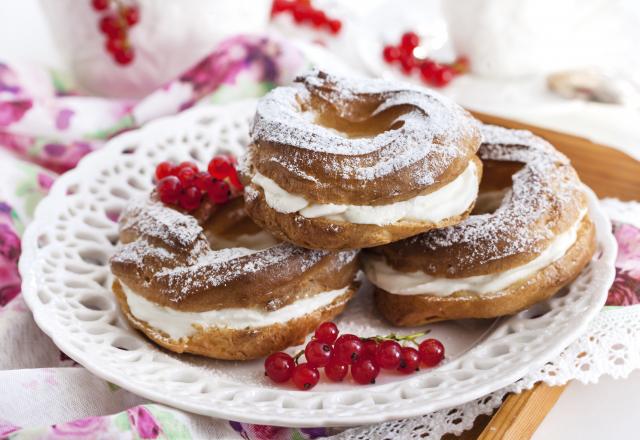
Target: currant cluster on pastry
x=364, y=357
x=117, y=18
x=184, y=185
x=431, y=72
x=303, y=12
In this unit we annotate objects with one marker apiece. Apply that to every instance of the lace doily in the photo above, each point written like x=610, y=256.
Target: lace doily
x=610, y=346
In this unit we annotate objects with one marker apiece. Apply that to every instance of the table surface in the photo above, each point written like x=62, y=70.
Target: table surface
x=605, y=410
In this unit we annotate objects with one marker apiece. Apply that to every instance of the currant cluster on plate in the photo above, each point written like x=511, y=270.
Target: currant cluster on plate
x=363, y=357
x=303, y=12
x=431, y=72
x=184, y=185
x=116, y=21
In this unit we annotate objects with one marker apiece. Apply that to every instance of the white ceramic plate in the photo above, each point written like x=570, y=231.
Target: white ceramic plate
x=67, y=286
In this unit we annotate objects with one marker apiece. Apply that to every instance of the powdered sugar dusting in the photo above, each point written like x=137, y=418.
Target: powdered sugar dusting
x=432, y=127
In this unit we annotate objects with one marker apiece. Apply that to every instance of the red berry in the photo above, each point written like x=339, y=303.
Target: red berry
x=185, y=164
x=334, y=26
x=300, y=12
x=388, y=355
x=202, y=180
x=279, y=6
x=114, y=45
x=427, y=70
x=221, y=167
x=348, y=349
x=190, y=198
x=409, y=360
x=305, y=376
x=109, y=25
x=461, y=64
x=187, y=176
x=370, y=348
x=317, y=353
x=431, y=352
x=124, y=56
x=131, y=15
x=408, y=63
x=218, y=191
x=327, y=332
x=442, y=76
x=100, y=5
x=390, y=54
x=409, y=41
x=279, y=367
x=336, y=371
x=365, y=371
x=169, y=189
x=163, y=169
x=318, y=18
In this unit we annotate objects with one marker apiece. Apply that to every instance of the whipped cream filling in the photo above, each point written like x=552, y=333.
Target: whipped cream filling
x=178, y=324
x=452, y=199
x=420, y=283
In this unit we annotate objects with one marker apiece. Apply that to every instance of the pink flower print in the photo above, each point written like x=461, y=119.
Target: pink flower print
x=9, y=254
x=89, y=427
x=63, y=118
x=45, y=181
x=13, y=111
x=625, y=290
x=143, y=422
x=628, y=238
x=8, y=80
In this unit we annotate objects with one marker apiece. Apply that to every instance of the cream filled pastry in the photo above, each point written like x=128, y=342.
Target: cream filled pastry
x=212, y=283
x=520, y=246
x=339, y=163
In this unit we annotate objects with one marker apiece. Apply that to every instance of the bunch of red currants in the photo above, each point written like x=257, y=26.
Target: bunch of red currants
x=303, y=12
x=431, y=72
x=115, y=23
x=184, y=185
x=364, y=357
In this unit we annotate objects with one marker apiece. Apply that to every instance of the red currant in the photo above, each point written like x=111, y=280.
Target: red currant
x=327, y=332
x=279, y=6
x=370, y=348
x=202, y=180
x=131, y=15
x=348, y=348
x=388, y=355
x=190, y=198
x=390, y=54
x=300, y=12
x=114, y=45
x=317, y=353
x=279, y=367
x=169, y=189
x=318, y=18
x=305, y=376
x=427, y=70
x=218, y=191
x=365, y=371
x=221, y=167
x=431, y=352
x=185, y=164
x=409, y=41
x=442, y=76
x=109, y=25
x=163, y=169
x=187, y=176
x=334, y=26
x=100, y=5
x=336, y=371
x=124, y=56
x=409, y=360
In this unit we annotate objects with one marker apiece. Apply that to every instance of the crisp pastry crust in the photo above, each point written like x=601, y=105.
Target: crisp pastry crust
x=413, y=310
x=355, y=143
x=335, y=235
x=235, y=344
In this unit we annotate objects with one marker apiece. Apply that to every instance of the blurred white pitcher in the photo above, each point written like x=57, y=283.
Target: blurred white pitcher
x=171, y=36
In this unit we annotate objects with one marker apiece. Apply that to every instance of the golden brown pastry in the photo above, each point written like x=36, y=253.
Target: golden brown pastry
x=521, y=245
x=340, y=163
x=214, y=284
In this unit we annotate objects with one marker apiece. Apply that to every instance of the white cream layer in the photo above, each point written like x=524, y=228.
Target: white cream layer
x=452, y=199
x=179, y=324
x=419, y=283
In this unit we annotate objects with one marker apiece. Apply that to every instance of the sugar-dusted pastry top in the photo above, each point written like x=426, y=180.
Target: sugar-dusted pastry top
x=545, y=199
x=359, y=141
x=173, y=259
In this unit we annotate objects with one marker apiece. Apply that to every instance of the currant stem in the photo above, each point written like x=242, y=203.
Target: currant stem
x=392, y=336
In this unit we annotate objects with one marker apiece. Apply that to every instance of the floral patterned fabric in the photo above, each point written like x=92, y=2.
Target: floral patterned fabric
x=46, y=128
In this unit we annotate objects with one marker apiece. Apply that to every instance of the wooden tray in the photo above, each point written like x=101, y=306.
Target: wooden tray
x=610, y=173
